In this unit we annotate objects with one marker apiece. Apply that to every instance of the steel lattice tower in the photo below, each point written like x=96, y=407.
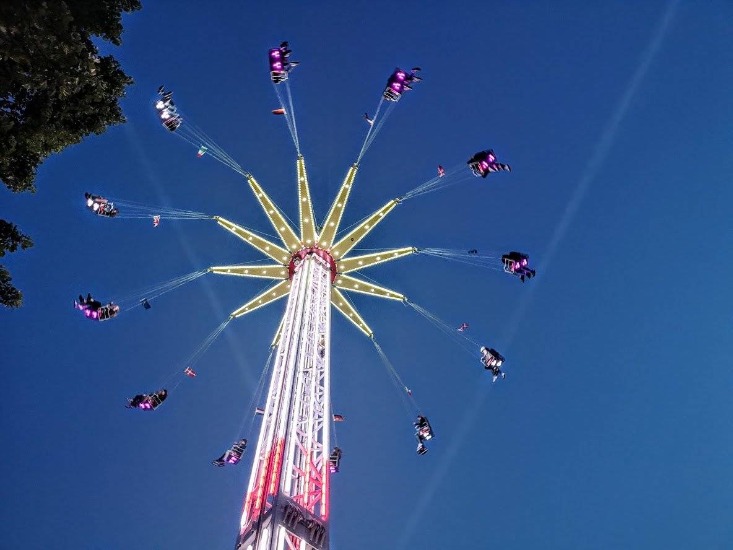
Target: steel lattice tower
x=287, y=503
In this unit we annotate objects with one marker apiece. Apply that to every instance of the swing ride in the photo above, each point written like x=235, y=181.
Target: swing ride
x=287, y=504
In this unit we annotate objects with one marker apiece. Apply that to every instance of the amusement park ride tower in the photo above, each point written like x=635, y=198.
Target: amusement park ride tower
x=287, y=503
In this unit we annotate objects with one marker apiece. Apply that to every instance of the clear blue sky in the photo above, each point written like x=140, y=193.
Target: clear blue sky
x=613, y=426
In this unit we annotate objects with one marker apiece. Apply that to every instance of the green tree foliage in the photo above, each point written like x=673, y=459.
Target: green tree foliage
x=9, y=295
x=10, y=239
x=55, y=88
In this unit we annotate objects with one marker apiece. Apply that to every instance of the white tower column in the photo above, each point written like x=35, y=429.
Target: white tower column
x=287, y=502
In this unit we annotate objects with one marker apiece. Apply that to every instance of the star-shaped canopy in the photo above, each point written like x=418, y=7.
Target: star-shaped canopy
x=309, y=238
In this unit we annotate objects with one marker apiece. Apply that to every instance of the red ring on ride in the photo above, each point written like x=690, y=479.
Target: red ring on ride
x=301, y=254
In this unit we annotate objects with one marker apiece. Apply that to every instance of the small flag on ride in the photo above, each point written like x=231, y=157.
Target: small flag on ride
x=146, y=304
x=441, y=171
x=338, y=418
x=463, y=327
x=278, y=111
x=156, y=221
x=260, y=411
x=202, y=151
x=369, y=120
x=409, y=391
x=188, y=371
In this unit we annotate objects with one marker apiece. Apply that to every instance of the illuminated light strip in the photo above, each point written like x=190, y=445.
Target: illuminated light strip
x=341, y=248
x=268, y=248
x=281, y=226
x=325, y=401
x=259, y=495
x=347, y=310
x=256, y=271
x=277, y=466
x=305, y=206
x=266, y=472
x=326, y=488
x=333, y=218
x=360, y=262
x=347, y=282
x=253, y=503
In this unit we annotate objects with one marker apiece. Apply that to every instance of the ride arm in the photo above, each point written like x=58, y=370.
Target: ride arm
x=348, y=311
x=281, y=226
x=333, y=219
x=359, y=262
x=305, y=205
x=341, y=248
x=257, y=271
x=347, y=282
x=268, y=248
x=266, y=297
